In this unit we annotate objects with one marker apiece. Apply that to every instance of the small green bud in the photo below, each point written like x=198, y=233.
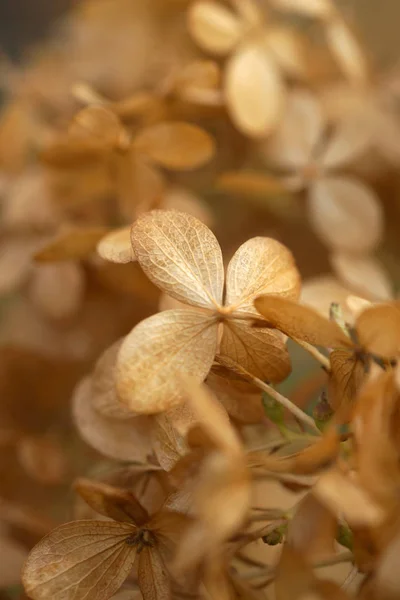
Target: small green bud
x=345, y=536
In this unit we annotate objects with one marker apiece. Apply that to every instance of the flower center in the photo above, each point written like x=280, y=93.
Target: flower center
x=142, y=538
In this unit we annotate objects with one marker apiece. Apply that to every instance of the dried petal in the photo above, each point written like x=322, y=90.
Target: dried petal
x=158, y=351
x=175, y=145
x=347, y=51
x=115, y=503
x=260, y=351
x=116, y=246
x=43, y=459
x=249, y=183
x=321, y=9
x=181, y=256
x=57, y=289
x=121, y=440
x=378, y=329
x=99, y=123
x=169, y=445
x=15, y=260
x=301, y=322
x=294, y=141
x=214, y=28
x=347, y=374
x=260, y=266
x=254, y=91
x=154, y=580
x=81, y=560
x=349, y=141
x=345, y=213
x=183, y=200
x=73, y=244
x=363, y=274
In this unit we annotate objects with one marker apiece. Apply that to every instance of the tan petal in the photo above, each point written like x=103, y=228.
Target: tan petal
x=104, y=391
x=347, y=51
x=175, y=145
x=347, y=374
x=250, y=183
x=84, y=560
x=342, y=496
x=43, y=459
x=301, y=322
x=378, y=329
x=351, y=138
x=181, y=256
x=363, y=274
x=287, y=48
x=386, y=581
x=244, y=405
x=319, y=293
x=260, y=351
x=321, y=9
x=260, y=266
x=254, y=91
x=312, y=531
x=179, y=198
x=101, y=124
x=73, y=244
x=169, y=445
x=15, y=260
x=301, y=127
x=57, y=289
x=121, y=440
x=115, y=503
x=158, y=351
x=214, y=28
x=153, y=577
x=116, y=246
x=346, y=214
x=211, y=416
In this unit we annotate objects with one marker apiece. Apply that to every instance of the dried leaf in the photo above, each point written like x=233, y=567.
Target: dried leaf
x=363, y=274
x=121, y=440
x=81, y=560
x=260, y=351
x=158, y=351
x=115, y=503
x=175, y=145
x=301, y=322
x=73, y=244
x=181, y=256
x=153, y=577
x=254, y=91
x=214, y=28
x=346, y=214
x=116, y=246
x=260, y=266
x=378, y=329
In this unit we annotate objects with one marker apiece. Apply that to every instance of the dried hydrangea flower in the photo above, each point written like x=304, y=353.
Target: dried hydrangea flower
x=182, y=257
x=343, y=210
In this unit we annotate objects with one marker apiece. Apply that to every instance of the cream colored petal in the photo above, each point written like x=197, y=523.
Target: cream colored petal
x=288, y=50
x=15, y=262
x=214, y=28
x=319, y=293
x=158, y=351
x=351, y=138
x=104, y=391
x=365, y=275
x=345, y=214
x=254, y=91
x=347, y=51
x=260, y=351
x=121, y=440
x=260, y=266
x=116, y=246
x=181, y=256
x=321, y=9
x=57, y=289
x=301, y=127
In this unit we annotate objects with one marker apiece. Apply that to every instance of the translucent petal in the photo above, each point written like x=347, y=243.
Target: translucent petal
x=214, y=28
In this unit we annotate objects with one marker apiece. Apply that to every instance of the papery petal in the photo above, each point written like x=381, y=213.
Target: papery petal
x=214, y=28
x=116, y=246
